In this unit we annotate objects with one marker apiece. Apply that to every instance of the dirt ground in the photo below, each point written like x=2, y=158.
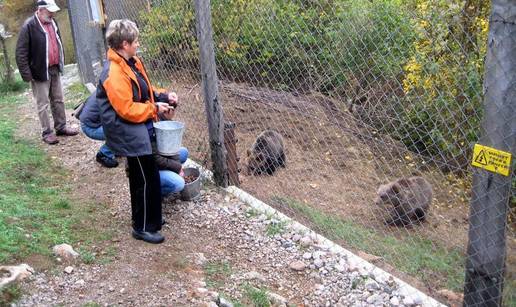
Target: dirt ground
x=334, y=163
x=140, y=274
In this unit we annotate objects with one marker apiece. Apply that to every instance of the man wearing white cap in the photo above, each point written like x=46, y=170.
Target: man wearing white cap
x=40, y=60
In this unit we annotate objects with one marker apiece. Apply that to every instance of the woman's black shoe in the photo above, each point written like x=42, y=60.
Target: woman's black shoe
x=151, y=237
x=106, y=161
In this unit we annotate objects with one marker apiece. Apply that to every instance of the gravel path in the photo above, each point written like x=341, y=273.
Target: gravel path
x=218, y=252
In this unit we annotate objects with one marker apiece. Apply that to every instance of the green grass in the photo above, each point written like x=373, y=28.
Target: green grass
x=276, y=228
x=217, y=272
x=419, y=257
x=75, y=94
x=257, y=296
x=36, y=210
x=17, y=85
x=10, y=294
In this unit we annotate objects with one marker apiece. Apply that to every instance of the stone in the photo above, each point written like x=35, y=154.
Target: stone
x=200, y=292
x=65, y=251
x=305, y=241
x=253, y=275
x=15, y=273
x=319, y=254
x=307, y=256
x=297, y=265
x=318, y=263
x=276, y=299
x=371, y=285
x=395, y=301
x=68, y=270
x=222, y=302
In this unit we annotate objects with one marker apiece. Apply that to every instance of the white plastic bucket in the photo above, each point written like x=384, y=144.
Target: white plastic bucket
x=169, y=135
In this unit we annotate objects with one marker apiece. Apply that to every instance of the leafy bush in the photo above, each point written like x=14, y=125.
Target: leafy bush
x=443, y=79
x=301, y=45
x=422, y=60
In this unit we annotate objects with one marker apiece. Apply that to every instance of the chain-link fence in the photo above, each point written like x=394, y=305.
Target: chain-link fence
x=87, y=32
x=363, y=93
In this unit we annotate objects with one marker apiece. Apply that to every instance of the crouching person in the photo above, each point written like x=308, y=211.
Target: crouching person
x=92, y=127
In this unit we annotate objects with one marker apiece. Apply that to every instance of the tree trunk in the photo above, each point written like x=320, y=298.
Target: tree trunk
x=9, y=77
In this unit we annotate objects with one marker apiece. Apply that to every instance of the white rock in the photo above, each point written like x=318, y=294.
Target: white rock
x=16, y=272
x=68, y=269
x=222, y=302
x=65, y=251
x=395, y=301
x=371, y=285
x=305, y=241
x=319, y=254
x=80, y=282
x=307, y=256
x=340, y=268
x=296, y=237
x=408, y=301
x=201, y=292
x=318, y=263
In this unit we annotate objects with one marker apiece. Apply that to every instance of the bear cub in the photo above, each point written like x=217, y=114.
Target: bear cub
x=407, y=199
x=266, y=154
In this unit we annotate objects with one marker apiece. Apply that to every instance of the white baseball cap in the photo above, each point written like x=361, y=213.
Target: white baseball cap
x=49, y=5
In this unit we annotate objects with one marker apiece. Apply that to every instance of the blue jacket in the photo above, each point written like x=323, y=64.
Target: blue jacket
x=90, y=114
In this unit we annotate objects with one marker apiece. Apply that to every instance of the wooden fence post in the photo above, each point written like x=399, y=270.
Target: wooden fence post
x=485, y=265
x=211, y=92
x=231, y=154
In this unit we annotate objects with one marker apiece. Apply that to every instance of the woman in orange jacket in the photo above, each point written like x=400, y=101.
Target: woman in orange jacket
x=128, y=108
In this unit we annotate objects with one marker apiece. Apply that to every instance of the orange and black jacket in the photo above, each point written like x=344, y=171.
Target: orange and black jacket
x=125, y=116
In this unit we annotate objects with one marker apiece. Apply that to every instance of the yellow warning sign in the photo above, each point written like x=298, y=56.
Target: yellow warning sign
x=491, y=159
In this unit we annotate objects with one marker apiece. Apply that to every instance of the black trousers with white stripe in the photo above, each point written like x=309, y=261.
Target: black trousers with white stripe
x=144, y=184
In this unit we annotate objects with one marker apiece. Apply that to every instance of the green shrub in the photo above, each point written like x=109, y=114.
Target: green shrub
x=420, y=62
x=300, y=45
x=443, y=79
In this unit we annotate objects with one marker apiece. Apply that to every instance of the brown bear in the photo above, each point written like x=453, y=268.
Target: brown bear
x=266, y=154
x=407, y=198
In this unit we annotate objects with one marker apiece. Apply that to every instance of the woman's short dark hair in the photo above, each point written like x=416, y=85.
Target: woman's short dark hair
x=120, y=30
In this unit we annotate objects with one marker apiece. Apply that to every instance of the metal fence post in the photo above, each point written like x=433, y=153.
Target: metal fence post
x=485, y=265
x=211, y=92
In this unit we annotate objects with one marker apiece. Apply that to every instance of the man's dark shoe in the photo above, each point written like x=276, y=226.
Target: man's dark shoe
x=50, y=139
x=106, y=161
x=67, y=131
x=150, y=237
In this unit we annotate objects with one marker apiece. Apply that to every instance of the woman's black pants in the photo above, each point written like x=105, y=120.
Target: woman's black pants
x=145, y=188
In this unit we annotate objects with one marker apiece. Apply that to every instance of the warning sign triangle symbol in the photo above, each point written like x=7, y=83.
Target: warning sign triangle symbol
x=481, y=158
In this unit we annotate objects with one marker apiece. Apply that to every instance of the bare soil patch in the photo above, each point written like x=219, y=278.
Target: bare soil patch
x=335, y=163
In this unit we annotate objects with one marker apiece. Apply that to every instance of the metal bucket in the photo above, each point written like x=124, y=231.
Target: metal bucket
x=169, y=135
x=192, y=190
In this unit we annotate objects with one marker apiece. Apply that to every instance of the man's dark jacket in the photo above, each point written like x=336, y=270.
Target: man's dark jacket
x=32, y=50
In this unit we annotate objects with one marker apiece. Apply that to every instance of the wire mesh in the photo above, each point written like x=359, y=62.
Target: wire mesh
x=88, y=40
x=363, y=93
